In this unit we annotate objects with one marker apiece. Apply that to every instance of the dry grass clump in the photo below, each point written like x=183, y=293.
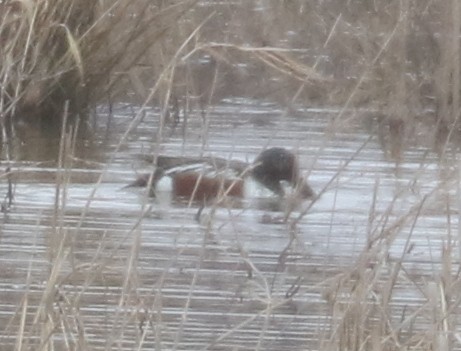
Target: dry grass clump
x=398, y=57
x=395, y=60
x=76, y=51
x=380, y=305
x=59, y=58
x=383, y=302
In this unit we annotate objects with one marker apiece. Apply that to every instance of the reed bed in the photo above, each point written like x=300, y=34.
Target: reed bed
x=397, y=61
x=77, y=52
x=379, y=61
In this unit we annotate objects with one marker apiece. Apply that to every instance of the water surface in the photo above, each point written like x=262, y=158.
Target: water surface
x=140, y=271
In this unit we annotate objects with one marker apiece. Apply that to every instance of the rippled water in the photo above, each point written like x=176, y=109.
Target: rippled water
x=139, y=271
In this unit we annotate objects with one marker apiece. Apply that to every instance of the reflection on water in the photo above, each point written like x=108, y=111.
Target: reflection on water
x=124, y=250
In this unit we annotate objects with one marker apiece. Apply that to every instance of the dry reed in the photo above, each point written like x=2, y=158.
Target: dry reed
x=58, y=63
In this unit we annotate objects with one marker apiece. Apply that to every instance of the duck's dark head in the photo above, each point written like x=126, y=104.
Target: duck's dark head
x=278, y=164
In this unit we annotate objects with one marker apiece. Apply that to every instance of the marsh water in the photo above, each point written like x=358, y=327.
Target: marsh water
x=142, y=272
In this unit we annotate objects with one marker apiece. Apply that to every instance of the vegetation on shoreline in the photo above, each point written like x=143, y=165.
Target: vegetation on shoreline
x=397, y=60
x=77, y=52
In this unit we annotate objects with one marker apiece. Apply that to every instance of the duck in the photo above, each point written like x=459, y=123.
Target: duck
x=207, y=178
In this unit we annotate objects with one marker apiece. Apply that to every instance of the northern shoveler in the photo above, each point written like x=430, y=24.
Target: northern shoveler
x=208, y=178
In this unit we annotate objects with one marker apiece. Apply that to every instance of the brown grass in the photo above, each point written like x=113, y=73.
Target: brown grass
x=78, y=51
x=375, y=56
x=61, y=57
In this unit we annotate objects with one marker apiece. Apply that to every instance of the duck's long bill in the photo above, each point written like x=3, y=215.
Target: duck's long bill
x=304, y=190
